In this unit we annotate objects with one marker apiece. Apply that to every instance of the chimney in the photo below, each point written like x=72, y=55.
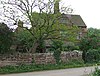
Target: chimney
x=56, y=7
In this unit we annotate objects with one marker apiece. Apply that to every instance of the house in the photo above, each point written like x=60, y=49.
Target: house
x=72, y=20
x=75, y=20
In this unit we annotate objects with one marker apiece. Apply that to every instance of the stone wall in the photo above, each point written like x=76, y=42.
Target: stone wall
x=15, y=59
x=38, y=58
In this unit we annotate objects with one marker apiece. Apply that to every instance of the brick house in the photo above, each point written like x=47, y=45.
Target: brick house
x=75, y=20
x=71, y=20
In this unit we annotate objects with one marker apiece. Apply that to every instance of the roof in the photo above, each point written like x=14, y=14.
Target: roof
x=74, y=19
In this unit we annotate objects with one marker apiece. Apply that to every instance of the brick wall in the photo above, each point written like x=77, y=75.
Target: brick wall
x=38, y=58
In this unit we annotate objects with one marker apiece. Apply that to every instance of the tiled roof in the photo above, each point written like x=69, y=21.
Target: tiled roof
x=75, y=19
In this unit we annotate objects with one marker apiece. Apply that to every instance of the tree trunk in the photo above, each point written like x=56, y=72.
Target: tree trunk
x=34, y=47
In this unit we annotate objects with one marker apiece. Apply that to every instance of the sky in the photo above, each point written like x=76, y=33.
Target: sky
x=89, y=10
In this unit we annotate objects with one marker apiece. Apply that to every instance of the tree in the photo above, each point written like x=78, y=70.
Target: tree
x=56, y=48
x=44, y=24
x=6, y=36
x=90, y=41
x=23, y=39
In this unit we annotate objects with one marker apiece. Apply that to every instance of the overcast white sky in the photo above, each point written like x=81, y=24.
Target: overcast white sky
x=88, y=9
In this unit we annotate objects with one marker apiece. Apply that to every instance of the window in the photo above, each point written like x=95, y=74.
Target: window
x=79, y=35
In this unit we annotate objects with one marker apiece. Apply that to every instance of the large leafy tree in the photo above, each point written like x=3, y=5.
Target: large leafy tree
x=44, y=24
x=90, y=41
x=5, y=38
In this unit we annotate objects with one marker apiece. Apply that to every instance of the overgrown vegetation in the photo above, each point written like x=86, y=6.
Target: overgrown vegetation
x=57, y=47
x=93, y=56
x=6, y=37
x=96, y=72
x=88, y=43
x=33, y=67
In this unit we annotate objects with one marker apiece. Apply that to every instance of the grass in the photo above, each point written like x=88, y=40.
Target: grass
x=33, y=67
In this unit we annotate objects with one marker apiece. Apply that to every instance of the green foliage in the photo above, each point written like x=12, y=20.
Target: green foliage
x=90, y=41
x=57, y=55
x=57, y=44
x=46, y=26
x=93, y=56
x=24, y=38
x=6, y=36
x=96, y=72
x=34, y=67
x=42, y=27
x=57, y=47
x=92, y=31
x=75, y=62
x=68, y=33
x=71, y=46
x=41, y=47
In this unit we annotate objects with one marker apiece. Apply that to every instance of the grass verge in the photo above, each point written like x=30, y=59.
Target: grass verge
x=33, y=67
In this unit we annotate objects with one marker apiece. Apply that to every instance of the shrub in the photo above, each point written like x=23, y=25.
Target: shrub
x=57, y=47
x=90, y=41
x=70, y=47
x=75, y=62
x=6, y=38
x=92, y=55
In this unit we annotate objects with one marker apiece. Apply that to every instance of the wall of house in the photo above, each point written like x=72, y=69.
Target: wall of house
x=38, y=58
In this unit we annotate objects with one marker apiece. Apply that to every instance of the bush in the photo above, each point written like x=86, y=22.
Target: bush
x=92, y=56
x=70, y=46
x=57, y=47
x=75, y=62
x=90, y=41
x=6, y=38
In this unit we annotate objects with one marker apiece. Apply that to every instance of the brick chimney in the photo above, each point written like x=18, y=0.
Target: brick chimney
x=56, y=7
